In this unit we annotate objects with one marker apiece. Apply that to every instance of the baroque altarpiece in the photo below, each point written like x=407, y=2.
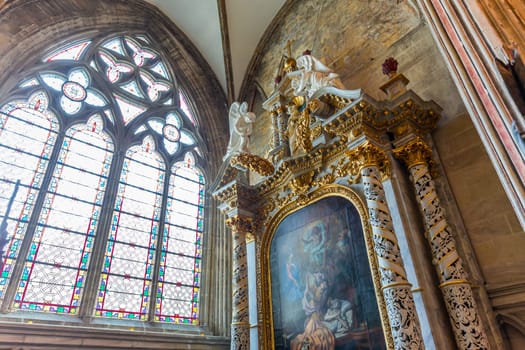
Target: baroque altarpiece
x=317, y=262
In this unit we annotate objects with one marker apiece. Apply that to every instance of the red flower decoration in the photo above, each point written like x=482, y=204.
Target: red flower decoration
x=390, y=66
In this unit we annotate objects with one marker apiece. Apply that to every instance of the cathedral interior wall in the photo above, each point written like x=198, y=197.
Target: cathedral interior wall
x=490, y=236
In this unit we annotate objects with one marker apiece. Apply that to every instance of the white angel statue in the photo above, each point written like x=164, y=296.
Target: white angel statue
x=312, y=75
x=240, y=129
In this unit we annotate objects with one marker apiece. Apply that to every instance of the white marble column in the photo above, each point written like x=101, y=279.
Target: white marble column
x=402, y=315
x=454, y=284
x=240, y=327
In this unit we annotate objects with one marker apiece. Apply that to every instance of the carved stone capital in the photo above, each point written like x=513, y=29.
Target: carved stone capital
x=240, y=223
x=414, y=153
x=367, y=155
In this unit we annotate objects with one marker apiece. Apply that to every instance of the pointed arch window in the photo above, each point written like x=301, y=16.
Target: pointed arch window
x=102, y=196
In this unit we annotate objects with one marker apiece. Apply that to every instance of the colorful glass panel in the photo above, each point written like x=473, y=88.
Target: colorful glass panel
x=114, y=45
x=28, y=83
x=128, y=109
x=55, y=269
x=71, y=52
x=127, y=273
x=177, y=297
x=27, y=137
x=186, y=109
x=62, y=234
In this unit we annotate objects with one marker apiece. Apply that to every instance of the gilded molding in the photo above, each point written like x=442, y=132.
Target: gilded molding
x=302, y=183
x=253, y=162
x=266, y=323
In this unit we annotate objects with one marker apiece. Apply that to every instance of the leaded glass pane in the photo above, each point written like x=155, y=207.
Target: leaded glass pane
x=59, y=244
x=132, y=88
x=160, y=69
x=72, y=52
x=173, y=119
x=186, y=137
x=28, y=83
x=69, y=106
x=179, y=277
x=114, y=69
x=95, y=98
x=27, y=137
x=56, y=267
x=156, y=125
x=115, y=45
x=186, y=109
x=54, y=81
x=154, y=88
x=140, y=55
x=171, y=147
x=79, y=76
x=127, y=273
x=129, y=110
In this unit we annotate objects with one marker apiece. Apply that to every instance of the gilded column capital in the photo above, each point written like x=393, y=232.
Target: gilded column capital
x=368, y=155
x=415, y=152
x=242, y=224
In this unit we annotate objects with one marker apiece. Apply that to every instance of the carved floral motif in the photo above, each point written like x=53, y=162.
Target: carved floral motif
x=253, y=162
x=396, y=289
x=459, y=299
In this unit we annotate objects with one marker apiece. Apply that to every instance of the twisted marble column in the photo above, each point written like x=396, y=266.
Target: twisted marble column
x=454, y=284
x=240, y=327
x=402, y=316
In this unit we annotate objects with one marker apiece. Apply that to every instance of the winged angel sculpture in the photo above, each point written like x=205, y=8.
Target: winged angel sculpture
x=241, y=122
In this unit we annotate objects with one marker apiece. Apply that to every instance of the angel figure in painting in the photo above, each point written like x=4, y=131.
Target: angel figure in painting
x=241, y=122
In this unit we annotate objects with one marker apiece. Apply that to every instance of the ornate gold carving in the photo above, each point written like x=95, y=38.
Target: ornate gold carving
x=302, y=183
x=239, y=223
x=316, y=132
x=298, y=131
x=366, y=155
x=255, y=163
x=414, y=153
x=336, y=101
x=276, y=110
x=325, y=180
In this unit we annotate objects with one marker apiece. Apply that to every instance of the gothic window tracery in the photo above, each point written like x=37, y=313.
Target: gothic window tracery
x=101, y=187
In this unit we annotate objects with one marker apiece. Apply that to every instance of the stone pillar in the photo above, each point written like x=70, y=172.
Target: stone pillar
x=240, y=328
x=454, y=284
x=402, y=315
x=276, y=130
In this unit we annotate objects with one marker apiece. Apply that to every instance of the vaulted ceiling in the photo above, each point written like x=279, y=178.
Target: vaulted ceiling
x=226, y=32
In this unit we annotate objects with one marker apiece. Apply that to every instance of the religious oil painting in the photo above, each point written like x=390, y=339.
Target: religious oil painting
x=322, y=291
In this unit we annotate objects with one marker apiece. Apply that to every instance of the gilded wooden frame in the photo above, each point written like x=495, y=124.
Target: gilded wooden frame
x=267, y=332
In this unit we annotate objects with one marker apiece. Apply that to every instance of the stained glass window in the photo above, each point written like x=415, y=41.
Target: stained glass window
x=177, y=296
x=28, y=132
x=125, y=285
x=55, y=270
x=101, y=190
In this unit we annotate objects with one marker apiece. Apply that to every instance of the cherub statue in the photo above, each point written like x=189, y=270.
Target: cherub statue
x=240, y=129
x=312, y=75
